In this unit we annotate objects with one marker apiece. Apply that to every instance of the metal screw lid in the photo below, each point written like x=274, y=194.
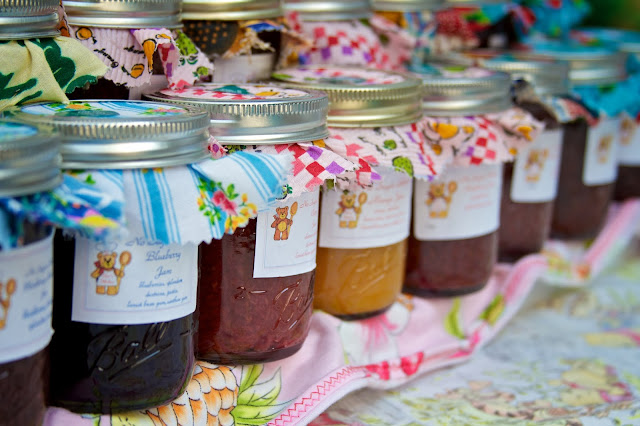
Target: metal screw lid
x=24, y=19
x=256, y=114
x=360, y=97
x=124, y=13
x=406, y=5
x=98, y=134
x=29, y=160
x=231, y=10
x=548, y=77
x=588, y=65
x=329, y=10
x=459, y=90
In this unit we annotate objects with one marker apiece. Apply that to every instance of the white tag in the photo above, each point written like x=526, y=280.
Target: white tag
x=287, y=237
x=133, y=281
x=629, y=148
x=536, y=169
x=26, y=300
x=463, y=203
x=375, y=217
x=600, y=157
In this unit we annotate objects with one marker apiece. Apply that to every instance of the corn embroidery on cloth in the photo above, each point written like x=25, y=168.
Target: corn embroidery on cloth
x=313, y=164
x=129, y=55
x=75, y=206
x=44, y=69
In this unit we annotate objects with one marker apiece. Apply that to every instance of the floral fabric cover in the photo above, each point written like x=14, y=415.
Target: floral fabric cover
x=44, y=69
x=382, y=352
x=129, y=54
x=588, y=375
x=555, y=18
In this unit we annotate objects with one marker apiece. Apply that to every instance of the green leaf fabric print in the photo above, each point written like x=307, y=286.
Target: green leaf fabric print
x=494, y=311
x=45, y=70
x=452, y=321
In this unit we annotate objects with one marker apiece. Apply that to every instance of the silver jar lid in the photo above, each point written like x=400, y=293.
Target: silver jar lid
x=29, y=160
x=547, y=76
x=256, y=114
x=588, y=65
x=124, y=13
x=230, y=10
x=407, y=5
x=24, y=19
x=329, y=10
x=97, y=134
x=459, y=90
x=360, y=97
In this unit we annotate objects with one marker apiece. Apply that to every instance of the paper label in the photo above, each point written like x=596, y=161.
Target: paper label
x=536, y=169
x=600, y=157
x=463, y=203
x=287, y=237
x=629, y=148
x=375, y=217
x=134, y=281
x=26, y=300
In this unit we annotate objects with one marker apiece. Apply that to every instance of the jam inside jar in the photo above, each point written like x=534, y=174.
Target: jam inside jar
x=109, y=368
x=454, y=241
x=245, y=319
x=363, y=247
x=23, y=382
x=586, y=182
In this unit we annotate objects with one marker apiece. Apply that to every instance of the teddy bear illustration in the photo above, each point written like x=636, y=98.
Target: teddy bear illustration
x=439, y=198
x=604, y=148
x=107, y=276
x=6, y=291
x=282, y=223
x=348, y=211
x=627, y=130
x=535, y=164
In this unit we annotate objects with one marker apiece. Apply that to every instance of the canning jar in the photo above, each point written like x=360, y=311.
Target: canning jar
x=363, y=231
x=124, y=307
x=242, y=37
x=30, y=164
x=454, y=241
x=140, y=42
x=628, y=182
x=256, y=285
x=589, y=165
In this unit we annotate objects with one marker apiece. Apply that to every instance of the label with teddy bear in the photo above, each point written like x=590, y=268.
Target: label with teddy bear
x=536, y=169
x=374, y=217
x=26, y=300
x=287, y=236
x=133, y=281
x=629, y=148
x=601, y=157
x=463, y=203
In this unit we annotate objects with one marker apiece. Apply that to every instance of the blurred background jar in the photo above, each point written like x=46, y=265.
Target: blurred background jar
x=123, y=311
x=242, y=37
x=256, y=285
x=589, y=164
x=30, y=163
x=454, y=241
x=363, y=231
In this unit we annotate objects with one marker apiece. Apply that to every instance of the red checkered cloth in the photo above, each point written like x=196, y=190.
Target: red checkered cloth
x=477, y=140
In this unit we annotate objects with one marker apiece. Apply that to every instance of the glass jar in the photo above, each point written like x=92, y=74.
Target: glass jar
x=454, y=241
x=588, y=168
x=363, y=232
x=363, y=247
x=124, y=307
x=221, y=27
x=26, y=286
x=256, y=285
x=88, y=17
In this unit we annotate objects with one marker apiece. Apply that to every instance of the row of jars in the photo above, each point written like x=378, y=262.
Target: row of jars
x=256, y=287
